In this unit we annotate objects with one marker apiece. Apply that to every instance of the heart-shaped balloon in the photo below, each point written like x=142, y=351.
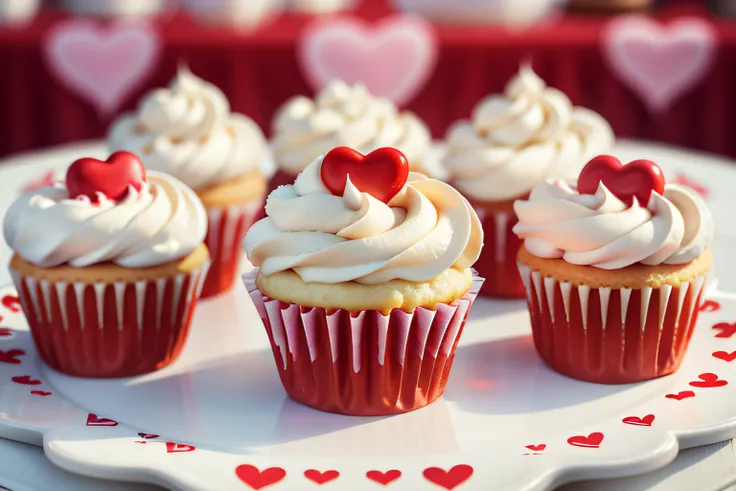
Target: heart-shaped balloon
x=112, y=178
x=636, y=179
x=382, y=173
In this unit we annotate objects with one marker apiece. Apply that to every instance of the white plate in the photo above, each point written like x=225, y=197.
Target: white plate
x=223, y=397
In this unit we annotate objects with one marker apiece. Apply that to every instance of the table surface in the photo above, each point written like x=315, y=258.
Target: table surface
x=24, y=468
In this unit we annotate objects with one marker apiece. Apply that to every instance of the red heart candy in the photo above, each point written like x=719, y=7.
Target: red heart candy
x=87, y=177
x=381, y=173
x=637, y=179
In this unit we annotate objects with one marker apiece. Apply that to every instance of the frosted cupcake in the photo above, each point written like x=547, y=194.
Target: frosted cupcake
x=108, y=266
x=343, y=115
x=364, y=283
x=614, y=270
x=188, y=131
x=515, y=141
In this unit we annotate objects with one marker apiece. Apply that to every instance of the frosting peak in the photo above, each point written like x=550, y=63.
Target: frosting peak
x=600, y=230
x=344, y=115
x=427, y=228
x=188, y=131
x=516, y=140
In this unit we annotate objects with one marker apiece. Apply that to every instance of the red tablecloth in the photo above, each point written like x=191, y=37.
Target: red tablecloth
x=259, y=71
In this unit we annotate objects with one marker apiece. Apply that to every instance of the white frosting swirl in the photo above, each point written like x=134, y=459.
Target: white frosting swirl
x=600, y=230
x=343, y=115
x=187, y=130
x=163, y=222
x=522, y=138
x=427, y=228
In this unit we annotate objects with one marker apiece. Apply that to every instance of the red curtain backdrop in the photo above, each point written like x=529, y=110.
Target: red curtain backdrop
x=259, y=71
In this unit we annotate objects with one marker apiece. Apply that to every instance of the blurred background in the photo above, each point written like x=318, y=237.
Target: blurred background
x=660, y=70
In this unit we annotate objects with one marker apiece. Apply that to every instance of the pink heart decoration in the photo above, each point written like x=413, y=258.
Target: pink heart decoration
x=101, y=64
x=659, y=63
x=393, y=57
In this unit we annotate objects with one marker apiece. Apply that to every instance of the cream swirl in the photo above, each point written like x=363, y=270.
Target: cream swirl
x=163, y=222
x=427, y=228
x=187, y=130
x=600, y=230
x=522, y=138
x=343, y=115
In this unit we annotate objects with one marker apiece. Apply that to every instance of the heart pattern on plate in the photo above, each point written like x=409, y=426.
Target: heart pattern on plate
x=383, y=478
x=536, y=448
x=708, y=380
x=42, y=393
x=726, y=329
x=709, y=306
x=382, y=173
x=11, y=356
x=148, y=435
x=637, y=179
x=448, y=479
x=681, y=395
x=258, y=479
x=11, y=302
x=25, y=380
x=593, y=440
x=637, y=421
x=172, y=447
x=94, y=420
x=321, y=477
x=725, y=355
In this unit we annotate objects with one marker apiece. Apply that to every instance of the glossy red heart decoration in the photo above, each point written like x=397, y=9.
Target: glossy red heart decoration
x=685, y=394
x=708, y=380
x=448, y=479
x=637, y=179
x=87, y=177
x=258, y=479
x=591, y=441
x=383, y=478
x=637, y=421
x=381, y=173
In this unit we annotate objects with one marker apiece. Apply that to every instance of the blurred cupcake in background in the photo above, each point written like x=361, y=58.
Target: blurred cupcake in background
x=343, y=115
x=18, y=12
x=108, y=266
x=363, y=282
x=615, y=270
x=188, y=131
x=513, y=142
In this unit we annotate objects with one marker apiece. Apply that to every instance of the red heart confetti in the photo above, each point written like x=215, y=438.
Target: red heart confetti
x=4, y=331
x=172, y=447
x=448, y=479
x=148, y=435
x=685, y=394
x=111, y=178
x=25, y=380
x=258, y=479
x=591, y=441
x=536, y=448
x=382, y=173
x=637, y=421
x=384, y=478
x=10, y=356
x=708, y=380
x=725, y=356
x=11, y=302
x=321, y=477
x=94, y=420
x=709, y=306
x=637, y=179
x=42, y=393
x=727, y=330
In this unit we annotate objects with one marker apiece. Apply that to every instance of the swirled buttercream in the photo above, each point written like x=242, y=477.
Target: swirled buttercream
x=163, y=222
x=344, y=115
x=188, y=131
x=528, y=135
x=427, y=228
x=600, y=230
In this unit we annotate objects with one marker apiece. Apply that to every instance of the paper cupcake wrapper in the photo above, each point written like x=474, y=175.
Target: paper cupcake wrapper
x=611, y=336
x=226, y=231
x=115, y=329
x=363, y=363
x=497, y=261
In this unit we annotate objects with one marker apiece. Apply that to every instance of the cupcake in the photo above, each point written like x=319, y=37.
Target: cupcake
x=341, y=115
x=108, y=266
x=363, y=282
x=614, y=270
x=188, y=131
x=514, y=142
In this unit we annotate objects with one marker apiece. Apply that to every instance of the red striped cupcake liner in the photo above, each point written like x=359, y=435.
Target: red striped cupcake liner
x=610, y=335
x=363, y=363
x=107, y=330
